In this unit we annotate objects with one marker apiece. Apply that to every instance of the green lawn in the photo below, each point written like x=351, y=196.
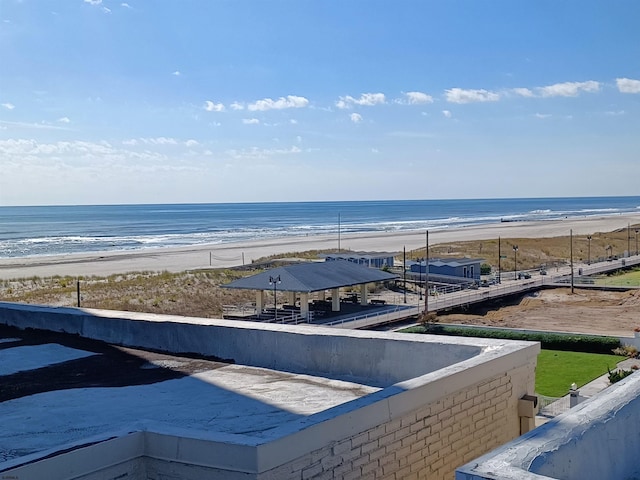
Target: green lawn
x=558, y=370
x=631, y=278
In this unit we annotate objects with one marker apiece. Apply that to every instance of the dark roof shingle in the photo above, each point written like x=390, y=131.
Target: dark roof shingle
x=313, y=277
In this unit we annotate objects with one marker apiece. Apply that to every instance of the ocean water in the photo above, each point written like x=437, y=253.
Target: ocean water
x=52, y=230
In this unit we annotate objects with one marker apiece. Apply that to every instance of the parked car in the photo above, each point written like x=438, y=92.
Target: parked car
x=522, y=275
x=543, y=272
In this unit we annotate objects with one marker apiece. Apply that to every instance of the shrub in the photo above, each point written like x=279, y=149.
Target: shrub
x=427, y=320
x=619, y=374
x=550, y=341
x=485, y=269
x=626, y=351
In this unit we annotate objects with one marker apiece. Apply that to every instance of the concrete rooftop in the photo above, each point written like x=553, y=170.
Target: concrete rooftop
x=215, y=399
x=256, y=395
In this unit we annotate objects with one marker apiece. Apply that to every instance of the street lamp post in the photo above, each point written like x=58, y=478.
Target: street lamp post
x=515, y=262
x=609, y=249
x=636, y=230
x=275, y=281
x=589, y=250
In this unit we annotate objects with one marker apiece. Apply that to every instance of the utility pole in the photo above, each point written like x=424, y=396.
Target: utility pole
x=499, y=260
x=426, y=276
x=404, y=271
x=571, y=253
x=338, y=233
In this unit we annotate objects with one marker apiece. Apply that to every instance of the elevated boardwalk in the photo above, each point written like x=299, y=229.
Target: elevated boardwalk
x=461, y=298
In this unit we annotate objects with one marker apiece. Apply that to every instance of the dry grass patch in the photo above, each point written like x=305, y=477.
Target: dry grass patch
x=534, y=252
x=195, y=294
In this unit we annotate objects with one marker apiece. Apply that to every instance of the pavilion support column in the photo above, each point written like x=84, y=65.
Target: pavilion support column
x=363, y=294
x=259, y=301
x=335, y=299
x=304, y=305
x=291, y=298
x=322, y=295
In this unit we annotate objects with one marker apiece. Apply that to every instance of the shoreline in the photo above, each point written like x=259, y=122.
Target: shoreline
x=179, y=259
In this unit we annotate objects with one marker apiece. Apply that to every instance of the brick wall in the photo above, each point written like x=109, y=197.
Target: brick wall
x=430, y=442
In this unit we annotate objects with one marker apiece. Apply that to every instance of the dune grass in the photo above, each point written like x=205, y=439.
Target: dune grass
x=534, y=252
x=557, y=370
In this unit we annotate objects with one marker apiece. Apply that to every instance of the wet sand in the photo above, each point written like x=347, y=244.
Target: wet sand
x=232, y=254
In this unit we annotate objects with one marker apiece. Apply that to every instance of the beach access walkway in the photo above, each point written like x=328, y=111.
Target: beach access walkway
x=436, y=302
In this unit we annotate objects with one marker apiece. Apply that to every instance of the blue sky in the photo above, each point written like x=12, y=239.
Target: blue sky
x=229, y=101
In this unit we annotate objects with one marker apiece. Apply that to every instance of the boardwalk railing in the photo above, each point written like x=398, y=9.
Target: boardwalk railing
x=397, y=312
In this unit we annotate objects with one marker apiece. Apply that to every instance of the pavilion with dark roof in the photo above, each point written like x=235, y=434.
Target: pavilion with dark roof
x=305, y=278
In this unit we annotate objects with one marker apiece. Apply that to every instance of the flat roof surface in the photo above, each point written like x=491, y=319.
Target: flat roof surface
x=313, y=277
x=77, y=388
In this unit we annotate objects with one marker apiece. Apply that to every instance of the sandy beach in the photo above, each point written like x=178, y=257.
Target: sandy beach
x=233, y=254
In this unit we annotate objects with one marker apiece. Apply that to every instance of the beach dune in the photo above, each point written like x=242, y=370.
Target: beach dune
x=233, y=254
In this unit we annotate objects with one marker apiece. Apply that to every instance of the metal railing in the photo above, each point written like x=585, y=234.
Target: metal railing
x=397, y=312
x=553, y=406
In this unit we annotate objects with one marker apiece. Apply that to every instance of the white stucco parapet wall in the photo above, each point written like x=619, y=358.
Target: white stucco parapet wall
x=428, y=383
x=596, y=439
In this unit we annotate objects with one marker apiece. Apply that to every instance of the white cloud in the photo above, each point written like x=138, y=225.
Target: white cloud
x=125, y=5
x=237, y=106
x=191, y=143
x=366, y=99
x=628, y=85
x=569, y=89
x=446, y=113
x=542, y=115
x=290, y=101
x=64, y=120
x=33, y=148
x=210, y=106
x=98, y=3
x=42, y=125
x=299, y=139
x=523, y=92
x=459, y=95
x=177, y=73
x=151, y=141
x=293, y=121
x=9, y=106
x=355, y=117
x=415, y=98
x=615, y=113
x=250, y=121
x=160, y=141
x=255, y=153
x=375, y=150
